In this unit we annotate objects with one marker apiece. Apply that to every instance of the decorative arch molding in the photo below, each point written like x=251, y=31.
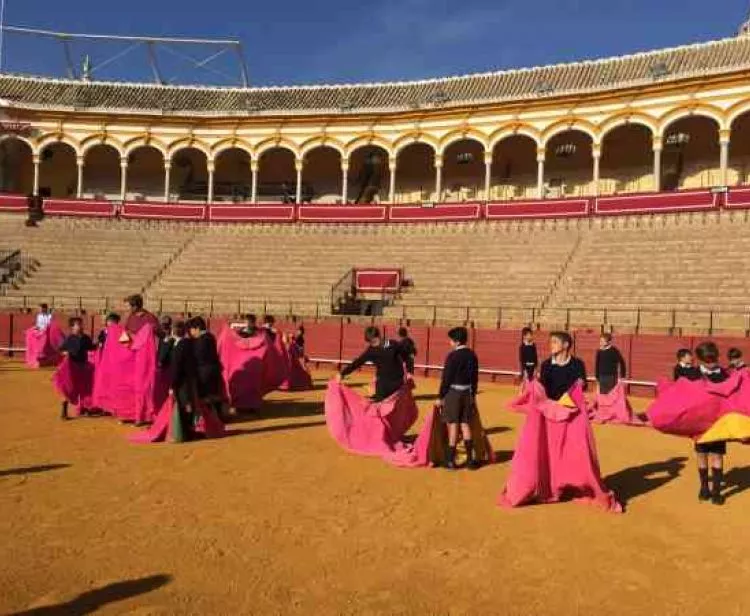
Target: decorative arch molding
x=367, y=141
x=145, y=141
x=628, y=118
x=463, y=134
x=514, y=130
x=411, y=138
x=736, y=111
x=28, y=142
x=187, y=143
x=276, y=143
x=688, y=111
x=570, y=124
x=322, y=141
x=48, y=139
x=231, y=143
x=101, y=139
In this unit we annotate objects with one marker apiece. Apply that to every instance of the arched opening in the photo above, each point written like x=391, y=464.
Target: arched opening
x=277, y=176
x=690, y=154
x=415, y=173
x=321, y=175
x=58, y=171
x=101, y=172
x=16, y=166
x=145, y=174
x=369, y=175
x=188, y=180
x=463, y=171
x=627, y=160
x=569, y=165
x=514, y=169
x=739, y=152
x=233, y=176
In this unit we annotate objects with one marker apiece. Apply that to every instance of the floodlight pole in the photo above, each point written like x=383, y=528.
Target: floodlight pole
x=243, y=66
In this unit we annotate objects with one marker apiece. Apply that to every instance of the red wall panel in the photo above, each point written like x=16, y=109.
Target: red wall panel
x=323, y=340
x=654, y=357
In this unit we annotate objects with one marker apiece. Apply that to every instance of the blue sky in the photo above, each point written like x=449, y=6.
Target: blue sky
x=313, y=41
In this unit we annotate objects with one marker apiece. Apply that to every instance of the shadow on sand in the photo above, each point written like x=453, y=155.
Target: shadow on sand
x=636, y=481
x=32, y=470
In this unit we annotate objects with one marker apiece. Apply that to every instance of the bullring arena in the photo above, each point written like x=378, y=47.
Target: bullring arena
x=578, y=197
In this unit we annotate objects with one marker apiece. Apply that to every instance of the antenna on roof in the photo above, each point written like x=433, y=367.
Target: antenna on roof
x=745, y=26
x=153, y=44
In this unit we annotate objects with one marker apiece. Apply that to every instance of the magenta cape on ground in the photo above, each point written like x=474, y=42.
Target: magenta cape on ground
x=75, y=383
x=690, y=408
x=613, y=408
x=555, y=457
x=42, y=346
x=125, y=377
x=208, y=424
x=369, y=428
x=252, y=368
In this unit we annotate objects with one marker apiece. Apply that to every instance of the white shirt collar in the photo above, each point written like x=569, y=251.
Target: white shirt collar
x=555, y=362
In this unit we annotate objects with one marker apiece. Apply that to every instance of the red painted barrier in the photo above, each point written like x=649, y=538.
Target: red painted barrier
x=164, y=211
x=543, y=208
x=377, y=279
x=342, y=213
x=14, y=203
x=737, y=198
x=655, y=203
x=323, y=340
x=251, y=213
x=76, y=207
x=443, y=212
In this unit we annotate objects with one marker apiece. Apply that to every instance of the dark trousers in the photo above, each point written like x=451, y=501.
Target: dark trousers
x=607, y=383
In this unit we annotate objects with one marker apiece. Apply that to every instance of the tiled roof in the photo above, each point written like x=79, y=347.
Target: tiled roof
x=520, y=84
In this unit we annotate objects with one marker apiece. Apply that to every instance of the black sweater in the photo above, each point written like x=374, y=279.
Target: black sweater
x=610, y=362
x=527, y=355
x=691, y=373
x=461, y=368
x=77, y=348
x=389, y=359
x=557, y=380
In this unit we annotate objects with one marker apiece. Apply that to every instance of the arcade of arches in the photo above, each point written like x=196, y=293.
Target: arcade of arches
x=693, y=153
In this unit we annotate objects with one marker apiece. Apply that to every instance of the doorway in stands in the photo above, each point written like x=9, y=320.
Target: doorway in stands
x=101, y=172
x=58, y=171
x=322, y=175
x=233, y=176
x=189, y=175
x=16, y=166
x=415, y=173
x=514, y=168
x=145, y=174
x=277, y=175
x=690, y=154
x=463, y=171
x=569, y=165
x=627, y=160
x=369, y=175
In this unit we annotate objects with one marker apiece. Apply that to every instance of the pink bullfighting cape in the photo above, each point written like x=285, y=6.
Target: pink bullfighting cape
x=168, y=425
x=74, y=382
x=704, y=411
x=555, y=457
x=125, y=377
x=296, y=376
x=42, y=346
x=613, y=407
x=252, y=368
x=368, y=428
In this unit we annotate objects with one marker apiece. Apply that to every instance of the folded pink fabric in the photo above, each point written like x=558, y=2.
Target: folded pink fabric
x=418, y=453
x=42, y=346
x=75, y=383
x=125, y=376
x=365, y=427
x=613, y=407
x=167, y=425
x=690, y=408
x=296, y=377
x=252, y=368
x=555, y=457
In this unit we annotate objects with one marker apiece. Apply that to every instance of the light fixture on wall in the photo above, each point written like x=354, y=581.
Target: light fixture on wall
x=565, y=150
x=678, y=140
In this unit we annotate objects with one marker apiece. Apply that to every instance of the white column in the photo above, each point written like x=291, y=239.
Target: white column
x=210, y=195
x=299, y=165
x=657, y=164
x=79, y=189
x=344, y=183
x=254, y=188
x=597, y=154
x=392, y=186
x=36, y=159
x=123, y=178
x=540, y=156
x=438, y=177
x=724, y=157
x=487, y=175
x=167, y=179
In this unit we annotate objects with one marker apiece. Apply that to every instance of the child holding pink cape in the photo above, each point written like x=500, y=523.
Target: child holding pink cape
x=555, y=457
x=74, y=379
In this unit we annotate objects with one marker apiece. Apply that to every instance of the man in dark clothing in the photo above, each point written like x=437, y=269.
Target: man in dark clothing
x=561, y=371
x=166, y=342
x=685, y=368
x=183, y=381
x=208, y=378
x=527, y=355
x=389, y=359
x=138, y=317
x=458, y=389
x=610, y=365
x=408, y=345
x=251, y=329
x=76, y=347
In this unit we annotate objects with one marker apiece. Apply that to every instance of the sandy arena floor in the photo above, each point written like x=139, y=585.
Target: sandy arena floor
x=277, y=520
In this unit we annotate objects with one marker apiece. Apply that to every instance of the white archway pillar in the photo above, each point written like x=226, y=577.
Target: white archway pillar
x=487, y=174
x=724, y=139
x=299, y=164
x=36, y=160
x=657, y=147
x=540, y=156
x=210, y=168
x=438, y=177
x=392, y=178
x=254, y=185
x=596, y=152
x=344, y=180
x=80, y=161
x=123, y=177
x=167, y=179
